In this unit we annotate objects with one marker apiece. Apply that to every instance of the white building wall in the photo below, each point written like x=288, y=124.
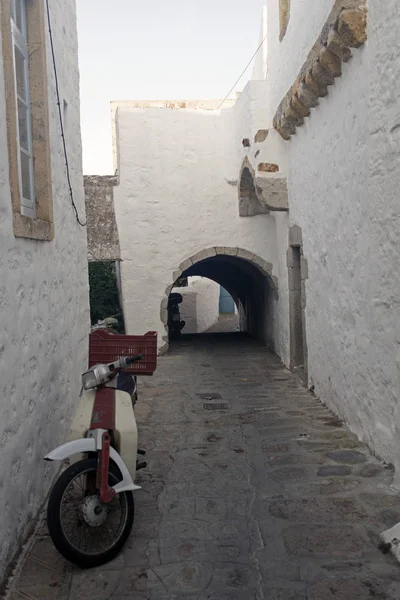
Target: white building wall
x=44, y=314
x=328, y=196
x=175, y=198
x=200, y=305
x=343, y=179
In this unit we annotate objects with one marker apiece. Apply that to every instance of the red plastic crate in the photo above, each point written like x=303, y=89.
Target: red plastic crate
x=105, y=347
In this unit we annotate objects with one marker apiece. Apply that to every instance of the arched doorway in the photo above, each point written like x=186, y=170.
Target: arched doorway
x=248, y=279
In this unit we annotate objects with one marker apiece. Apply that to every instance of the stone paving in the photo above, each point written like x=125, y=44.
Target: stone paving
x=254, y=490
x=227, y=323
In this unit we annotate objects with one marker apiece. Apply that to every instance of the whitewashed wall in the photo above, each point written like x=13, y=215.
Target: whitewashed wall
x=343, y=192
x=286, y=58
x=177, y=195
x=44, y=314
x=200, y=305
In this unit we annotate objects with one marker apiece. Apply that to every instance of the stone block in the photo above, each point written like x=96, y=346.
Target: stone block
x=352, y=27
x=298, y=107
x=261, y=136
x=330, y=61
x=186, y=264
x=263, y=264
x=273, y=193
x=290, y=114
x=290, y=258
x=304, y=268
x=306, y=95
x=245, y=254
x=336, y=45
x=295, y=236
x=334, y=471
x=316, y=87
x=303, y=294
x=268, y=168
x=316, y=540
x=285, y=128
x=323, y=510
x=351, y=457
x=226, y=250
x=321, y=76
x=177, y=274
x=343, y=589
x=203, y=254
x=246, y=143
x=294, y=279
x=285, y=131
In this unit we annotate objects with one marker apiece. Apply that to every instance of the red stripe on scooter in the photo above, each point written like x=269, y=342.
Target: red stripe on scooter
x=103, y=414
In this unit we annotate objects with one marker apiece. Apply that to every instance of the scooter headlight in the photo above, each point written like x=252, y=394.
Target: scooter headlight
x=89, y=380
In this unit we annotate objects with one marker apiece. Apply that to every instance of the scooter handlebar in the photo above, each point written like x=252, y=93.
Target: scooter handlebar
x=132, y=359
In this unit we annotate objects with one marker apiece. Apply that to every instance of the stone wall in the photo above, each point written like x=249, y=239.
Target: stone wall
x=102, y=233
x=44, y=312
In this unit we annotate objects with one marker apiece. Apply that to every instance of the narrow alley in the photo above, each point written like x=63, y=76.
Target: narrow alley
x=253, y=490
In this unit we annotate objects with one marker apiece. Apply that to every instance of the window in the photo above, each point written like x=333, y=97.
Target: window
x=23, y=29
x=23, y=107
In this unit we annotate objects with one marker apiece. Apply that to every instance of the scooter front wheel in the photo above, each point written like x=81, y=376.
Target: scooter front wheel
x=84, y=530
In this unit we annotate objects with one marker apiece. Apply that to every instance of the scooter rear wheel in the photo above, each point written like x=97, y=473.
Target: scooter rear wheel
x=85, y=531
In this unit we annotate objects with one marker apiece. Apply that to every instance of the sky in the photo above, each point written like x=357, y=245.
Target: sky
x=177, y=50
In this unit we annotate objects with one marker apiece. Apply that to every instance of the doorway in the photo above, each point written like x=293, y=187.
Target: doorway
x=297, y=273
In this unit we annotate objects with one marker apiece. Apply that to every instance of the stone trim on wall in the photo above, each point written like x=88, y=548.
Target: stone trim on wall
x=102, y=230
x=41, y=227
x=345, y=28
x=297, y=276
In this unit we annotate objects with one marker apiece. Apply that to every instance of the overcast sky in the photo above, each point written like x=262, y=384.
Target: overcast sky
x=180, y=49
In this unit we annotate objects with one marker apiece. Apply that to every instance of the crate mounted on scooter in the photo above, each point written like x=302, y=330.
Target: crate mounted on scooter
x=105, y=347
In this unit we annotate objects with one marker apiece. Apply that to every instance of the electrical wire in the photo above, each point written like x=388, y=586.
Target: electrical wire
x=71, y=193
x=243, y=72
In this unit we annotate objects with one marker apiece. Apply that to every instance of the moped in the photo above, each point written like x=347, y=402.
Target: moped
x=90, y=510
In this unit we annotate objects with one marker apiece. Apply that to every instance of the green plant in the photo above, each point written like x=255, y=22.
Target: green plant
x=104, y=294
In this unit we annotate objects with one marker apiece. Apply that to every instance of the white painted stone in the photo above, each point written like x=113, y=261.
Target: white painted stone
x=392, y=537
x=44, y=317
x=200, y=306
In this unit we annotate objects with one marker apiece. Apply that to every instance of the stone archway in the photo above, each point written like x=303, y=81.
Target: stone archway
x=247, y=277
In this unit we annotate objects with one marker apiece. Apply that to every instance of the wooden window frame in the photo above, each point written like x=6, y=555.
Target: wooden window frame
x=37, y=224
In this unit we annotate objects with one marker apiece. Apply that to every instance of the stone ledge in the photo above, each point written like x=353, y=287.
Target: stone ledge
x=345, y=28
x=261, y=194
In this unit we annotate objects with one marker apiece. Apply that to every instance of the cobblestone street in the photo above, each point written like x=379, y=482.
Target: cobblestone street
x=253, y=490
